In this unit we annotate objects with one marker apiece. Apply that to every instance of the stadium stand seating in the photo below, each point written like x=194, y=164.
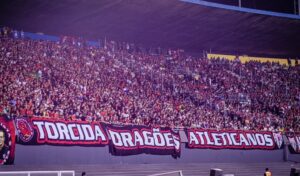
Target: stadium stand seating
x=121, y=84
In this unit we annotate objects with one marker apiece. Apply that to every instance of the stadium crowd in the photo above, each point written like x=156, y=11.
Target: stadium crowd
x=120, y=83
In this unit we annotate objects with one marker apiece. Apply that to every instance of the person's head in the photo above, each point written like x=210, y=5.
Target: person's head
x=2, y=138
x=267, y=169
x=83, y=174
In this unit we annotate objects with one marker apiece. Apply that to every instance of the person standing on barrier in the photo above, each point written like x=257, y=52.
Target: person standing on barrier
x=268, y=172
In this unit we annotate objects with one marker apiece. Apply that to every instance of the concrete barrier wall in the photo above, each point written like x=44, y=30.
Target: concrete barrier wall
x=46, y=154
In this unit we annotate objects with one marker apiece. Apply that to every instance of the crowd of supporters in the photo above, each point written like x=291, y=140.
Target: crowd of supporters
x=119, y=83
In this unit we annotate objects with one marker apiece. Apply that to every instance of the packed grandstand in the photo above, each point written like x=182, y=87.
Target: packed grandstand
x=121, y=83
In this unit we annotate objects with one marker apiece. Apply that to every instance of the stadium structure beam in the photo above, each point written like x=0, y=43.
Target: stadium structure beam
x=298, y=7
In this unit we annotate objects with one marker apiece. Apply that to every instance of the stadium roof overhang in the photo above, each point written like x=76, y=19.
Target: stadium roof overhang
x=153, y=23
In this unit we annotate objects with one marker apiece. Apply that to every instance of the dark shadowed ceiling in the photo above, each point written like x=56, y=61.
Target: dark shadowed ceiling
x=153, y=23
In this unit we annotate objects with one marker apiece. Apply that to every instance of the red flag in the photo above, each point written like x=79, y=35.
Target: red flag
x=7, y=140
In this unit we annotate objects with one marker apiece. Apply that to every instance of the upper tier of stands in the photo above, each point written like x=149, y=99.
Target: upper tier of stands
x=244, y=59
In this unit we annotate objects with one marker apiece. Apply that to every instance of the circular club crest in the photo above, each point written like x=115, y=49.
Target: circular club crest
x=25, y=131
x=5, y=142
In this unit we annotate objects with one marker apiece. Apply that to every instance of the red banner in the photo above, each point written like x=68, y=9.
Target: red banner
x=60, y=132
x=136, y=139
x=7, y=141
x=294, y=139
x=131, y=139
x=233, y=139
